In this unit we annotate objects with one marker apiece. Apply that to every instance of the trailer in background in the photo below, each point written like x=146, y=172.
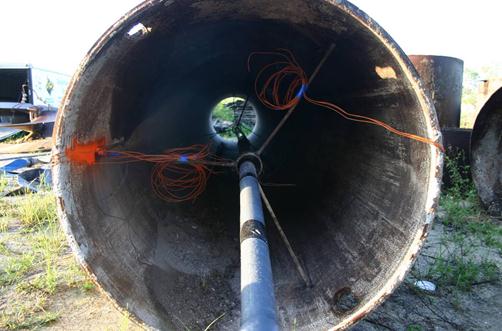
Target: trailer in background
x=29, y=97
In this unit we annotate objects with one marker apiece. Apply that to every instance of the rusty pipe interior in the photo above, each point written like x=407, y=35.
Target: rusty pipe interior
x=361, y=198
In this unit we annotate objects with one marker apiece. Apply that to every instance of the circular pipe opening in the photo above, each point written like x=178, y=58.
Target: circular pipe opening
x=354, y=200
x=233, y=117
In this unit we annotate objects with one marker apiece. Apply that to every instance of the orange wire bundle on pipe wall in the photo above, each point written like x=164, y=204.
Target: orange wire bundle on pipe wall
x=179, y=174
x=291, y=73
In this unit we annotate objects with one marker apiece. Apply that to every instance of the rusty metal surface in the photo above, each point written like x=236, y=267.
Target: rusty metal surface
x=486, y=154
x=442, y=77
x=369, y=198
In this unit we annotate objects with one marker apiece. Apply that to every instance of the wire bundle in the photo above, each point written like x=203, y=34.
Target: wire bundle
x=179, y=174
x=290, y=73
x=287, y=71
x=185, y=178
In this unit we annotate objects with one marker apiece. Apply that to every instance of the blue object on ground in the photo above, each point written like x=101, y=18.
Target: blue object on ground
x=17, y=164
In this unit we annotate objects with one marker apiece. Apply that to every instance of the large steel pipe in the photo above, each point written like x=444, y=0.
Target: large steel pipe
x=442, y=77
x=486, y=154
x=359, y=200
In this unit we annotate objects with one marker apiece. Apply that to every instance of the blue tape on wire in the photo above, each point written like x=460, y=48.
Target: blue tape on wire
x=302, y=91
x=183, y=159
x=112, y=154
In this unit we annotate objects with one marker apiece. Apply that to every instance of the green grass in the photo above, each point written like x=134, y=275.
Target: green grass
x=4, y=182
x=462, y=272
x=32, y=210
x=16, y=267
x=45, y=267
x=464, y=213
x=4, y=250
x=4, y=224
x=224, y=112
x=467, y=228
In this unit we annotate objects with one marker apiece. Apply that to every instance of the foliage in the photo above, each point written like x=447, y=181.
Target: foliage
x=36, y=263
x=35, y=210
x=3, y=183
x=462, y=207
x=16, y=267
x=470, y=89
x=462, y=271
x=457, y=263
x=461, y=183
x=224, y=112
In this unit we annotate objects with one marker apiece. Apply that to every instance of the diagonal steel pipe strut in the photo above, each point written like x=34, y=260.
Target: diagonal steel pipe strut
x=257, y=287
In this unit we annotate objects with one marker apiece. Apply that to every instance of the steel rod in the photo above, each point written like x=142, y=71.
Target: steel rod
x=296, y=260
x=257, y=287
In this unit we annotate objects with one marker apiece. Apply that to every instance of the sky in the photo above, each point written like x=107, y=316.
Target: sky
x=56, y=34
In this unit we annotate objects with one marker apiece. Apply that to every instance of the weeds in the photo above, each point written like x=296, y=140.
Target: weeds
x=36, y=209
x=4, y=250
x=45, y=267
x=26, y=312
x=460, y=182
x=4, y=224
x=462, y=272
x=16, y=267
x=456, y=263
x=4, y=182
x=464, y=214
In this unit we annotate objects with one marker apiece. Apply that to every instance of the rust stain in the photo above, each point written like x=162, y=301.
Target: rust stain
x=386, y=72
x=61, y=204
x=425, y=231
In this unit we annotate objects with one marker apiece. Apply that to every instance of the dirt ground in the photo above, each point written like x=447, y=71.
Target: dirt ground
x=88, y=311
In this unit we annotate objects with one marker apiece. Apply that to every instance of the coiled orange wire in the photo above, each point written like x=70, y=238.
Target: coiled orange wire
x=179, y=174
x=291, y=73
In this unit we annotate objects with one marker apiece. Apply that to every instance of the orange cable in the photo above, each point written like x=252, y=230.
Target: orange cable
x=291, y=73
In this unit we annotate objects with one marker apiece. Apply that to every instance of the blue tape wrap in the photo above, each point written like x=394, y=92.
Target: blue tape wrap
x=302, y=91
x=183, y=159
